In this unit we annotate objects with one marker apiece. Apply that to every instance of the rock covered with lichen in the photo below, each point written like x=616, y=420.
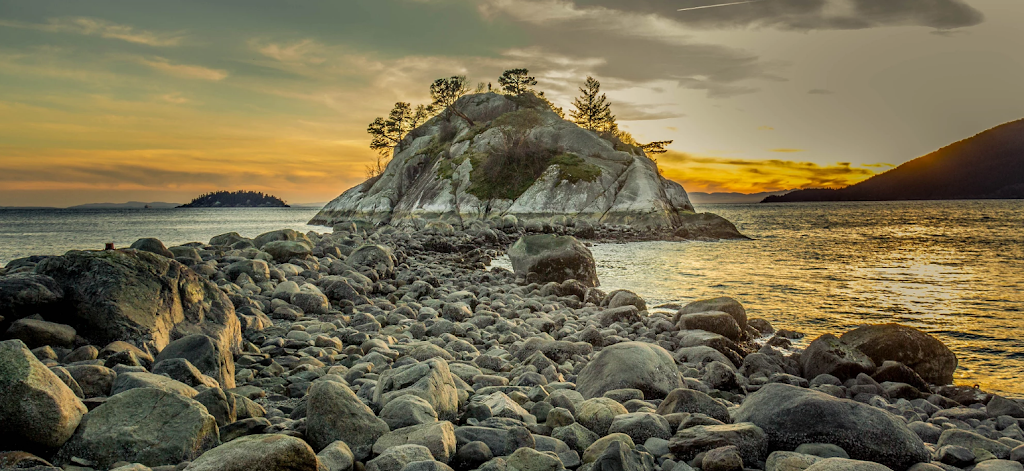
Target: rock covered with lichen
x=517, y=158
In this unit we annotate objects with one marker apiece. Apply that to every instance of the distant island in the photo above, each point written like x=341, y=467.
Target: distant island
x=989, y=165
x=236, y=199
x=128, y=205
x=698, y=197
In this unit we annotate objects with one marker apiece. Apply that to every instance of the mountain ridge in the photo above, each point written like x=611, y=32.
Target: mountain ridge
x=988, y=165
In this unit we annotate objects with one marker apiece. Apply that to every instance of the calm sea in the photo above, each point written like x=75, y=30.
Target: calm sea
x=954, y=269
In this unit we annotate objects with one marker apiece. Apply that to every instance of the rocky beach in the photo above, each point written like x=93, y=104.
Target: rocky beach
x=385, y=348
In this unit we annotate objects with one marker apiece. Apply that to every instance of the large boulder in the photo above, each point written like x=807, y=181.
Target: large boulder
x=376, y=257
x=333, y=412
x=717, y=322
x=723, y=304
x=694, y=402
x=431, y=380
x=554, y=258
x=706, y=226
x=258, y=270
x=36, y=333
x=927, y=355
x=830, y=355
x=281, y=235
x=146, y=426
x=206, y=355
x=152, y=245
x=38, y=411
x=284, y=250
x=636, y=365
x=791, y=416
x=438, y=437
x=749, y=440
x=24, y=294
x=258, y=453
x=140, y=298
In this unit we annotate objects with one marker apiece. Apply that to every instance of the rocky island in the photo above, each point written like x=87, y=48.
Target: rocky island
x=513, y=159
x=398, y=349
x=235, y=199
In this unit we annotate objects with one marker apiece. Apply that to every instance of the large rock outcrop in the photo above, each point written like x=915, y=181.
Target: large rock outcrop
x=927, y=355
x=140, y=298
x=589, y=178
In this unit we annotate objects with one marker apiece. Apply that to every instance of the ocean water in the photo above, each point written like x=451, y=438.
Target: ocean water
x=954, y=269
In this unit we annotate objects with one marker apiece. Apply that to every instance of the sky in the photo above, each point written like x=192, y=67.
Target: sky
x=120, y=100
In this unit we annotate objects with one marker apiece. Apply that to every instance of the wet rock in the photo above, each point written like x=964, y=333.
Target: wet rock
x=144, y=425
x=927, y=355
x=258, y=452
x=647, y=367
x=554, y=258
x=333, y=412
x=791, y=416
x=830, y=355
x=38, y=411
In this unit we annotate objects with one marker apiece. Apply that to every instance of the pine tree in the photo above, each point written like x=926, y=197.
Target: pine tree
x=593, y=111
x=515, y=82
x=445, y=92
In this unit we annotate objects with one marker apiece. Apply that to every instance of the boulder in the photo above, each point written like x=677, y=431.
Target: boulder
x=206, y=355
x=143, y=425
x=376, y=257
x=36, y=333
x=140, y=298
x=694, y=402
x=263, y=239
x=624, y=297
x=972, y=440
x=597, y=414
x=152, y=245
x=528, y=459
x=180, y=369
x=438, y=437
x=791, y=416
x=337, y=457
x=284, y=250
x=257, y=453
x=723, y=304
x=430, y=380
x=135, y=380
x=38, y=410
x=717, y=322
x=644, y=366
x=640, y=426
x=258, y=270
x=24, y=294
x=842, y=464
x=830, y=355
x=395, y=458
x=706, y=226
x=95, y=380
x=927, y=355
x=407, y=410
x=333, y=412
x=554, y=258
x=619, y=456
x=750, y=441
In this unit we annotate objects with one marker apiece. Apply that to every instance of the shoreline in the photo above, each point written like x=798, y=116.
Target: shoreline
x=322, y=326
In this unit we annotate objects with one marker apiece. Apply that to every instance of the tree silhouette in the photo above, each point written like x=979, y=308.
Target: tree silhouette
x=445, y=92
x=593, y=111
x=516, y=81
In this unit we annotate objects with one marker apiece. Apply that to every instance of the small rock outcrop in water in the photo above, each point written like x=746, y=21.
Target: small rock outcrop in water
x=235, y=199
x=448, y=170
x=397, y=349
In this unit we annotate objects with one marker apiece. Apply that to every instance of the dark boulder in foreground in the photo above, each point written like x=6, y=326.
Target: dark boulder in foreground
x=554, y=258
x=927, y=355
x=791, y=416
x=140, y=298
x=633, y=365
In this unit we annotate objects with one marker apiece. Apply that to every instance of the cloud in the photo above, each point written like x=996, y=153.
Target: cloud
x=820, y=91
x=610, y=39
x=706, y=173
x=87, y=26
x=625, y=111
x=786, y=151
x=806, y=15
x=183, y=70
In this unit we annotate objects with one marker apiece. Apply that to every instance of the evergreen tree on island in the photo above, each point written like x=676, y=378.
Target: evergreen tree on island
x=236, y=199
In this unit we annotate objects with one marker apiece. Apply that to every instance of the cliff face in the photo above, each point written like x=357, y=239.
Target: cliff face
x=438, y=172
